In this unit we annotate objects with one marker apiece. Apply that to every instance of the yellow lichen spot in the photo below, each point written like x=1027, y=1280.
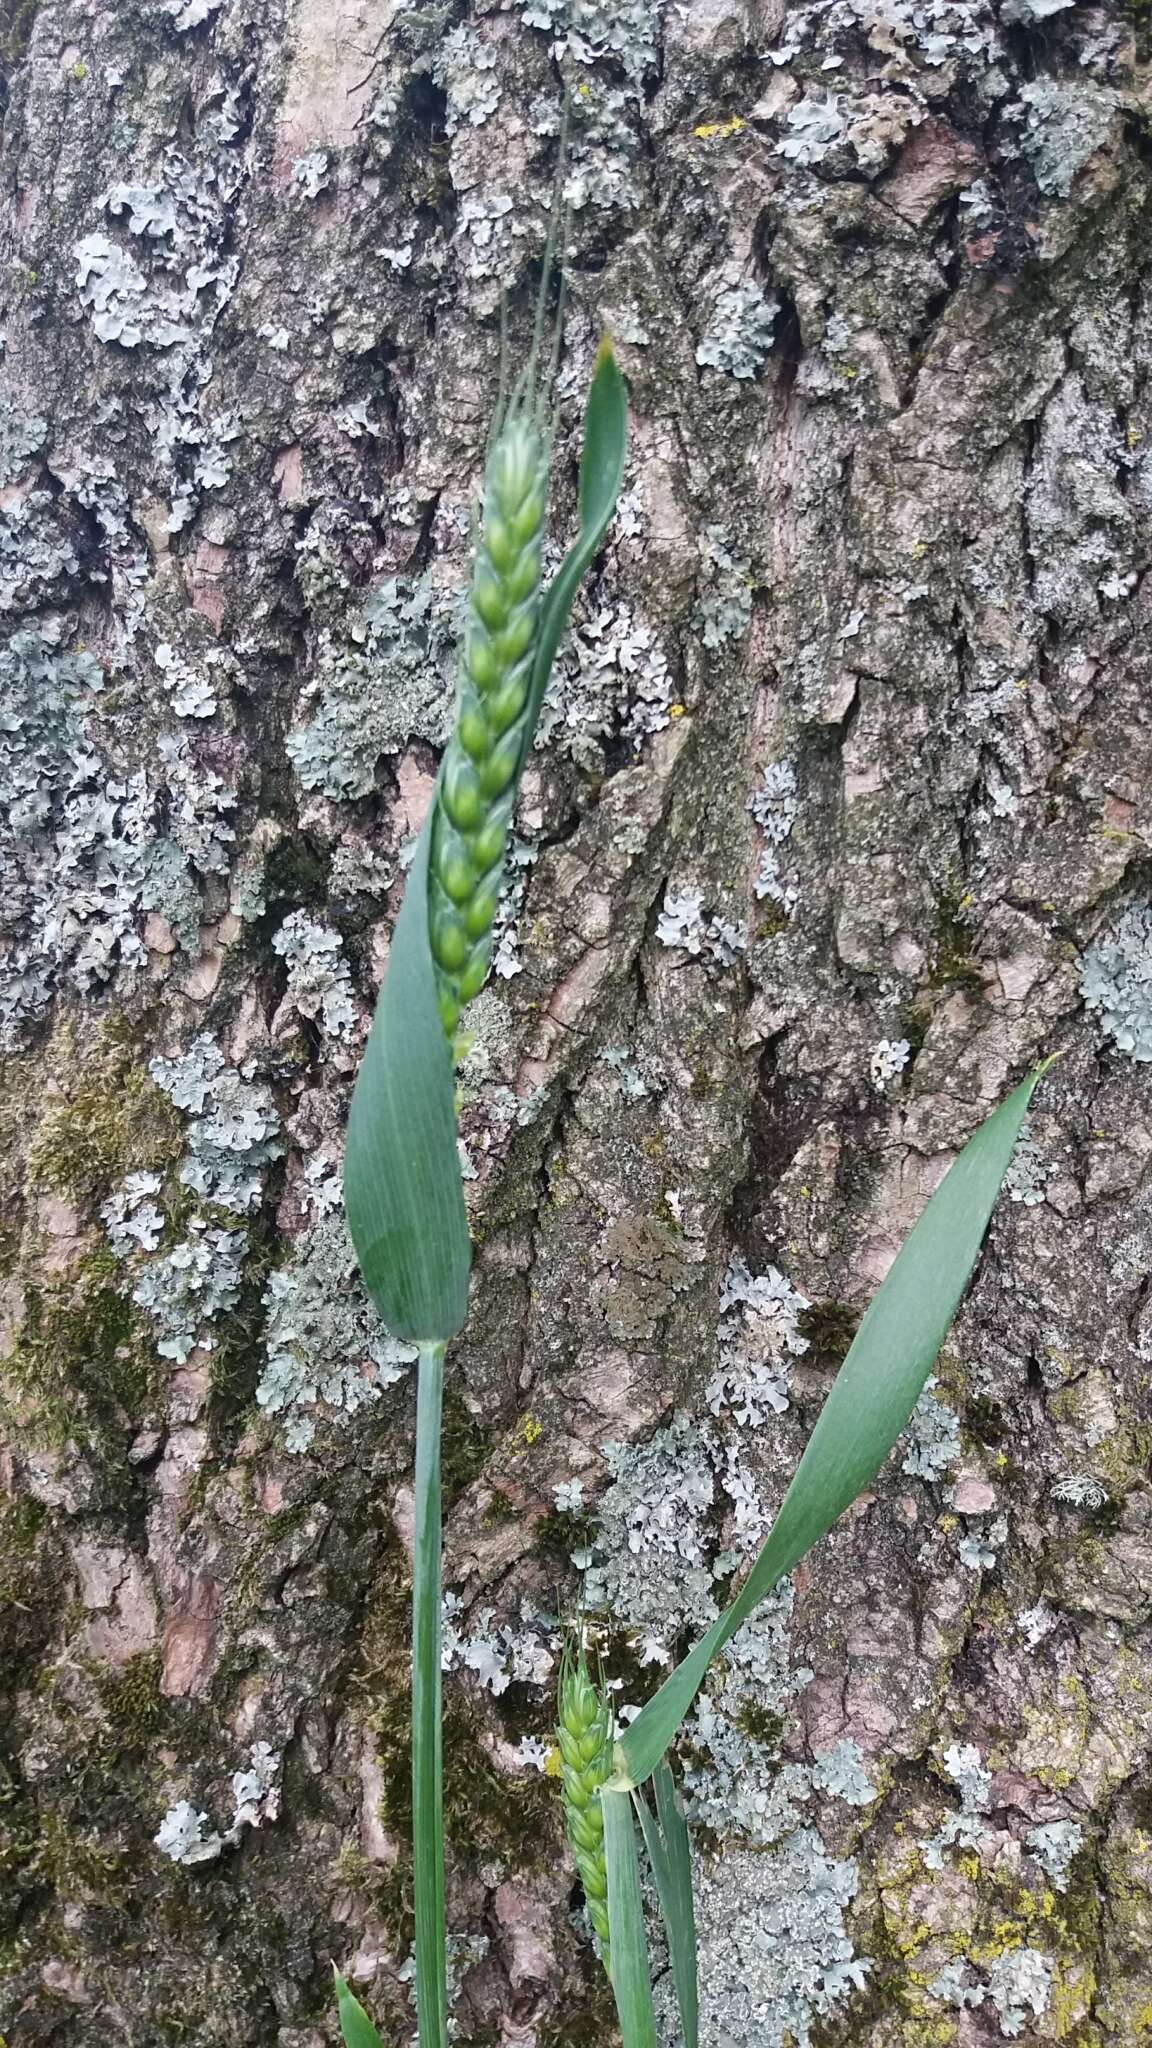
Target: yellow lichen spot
x=1135, y=436
x=529, y=1430
x=918, y=549
x=80, y=70
x=552, y=1762
x=718, y=131
x=676, y=710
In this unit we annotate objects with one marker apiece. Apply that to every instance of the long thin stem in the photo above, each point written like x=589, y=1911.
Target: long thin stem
x=427, y=1761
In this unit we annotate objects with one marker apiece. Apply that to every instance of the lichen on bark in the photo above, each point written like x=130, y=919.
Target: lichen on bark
x=840, y=818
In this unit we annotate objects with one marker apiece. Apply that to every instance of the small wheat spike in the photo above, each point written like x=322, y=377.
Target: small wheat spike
x=477, y=789
x=585, y=1742
x=476, y=794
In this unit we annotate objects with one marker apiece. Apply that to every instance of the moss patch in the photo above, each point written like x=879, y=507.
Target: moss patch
x=953, y=966
x=464, y=1447
x=80, y=1358
x=112, y=1120
x=17, y=18
x=29, y=1578
x=829, y=1327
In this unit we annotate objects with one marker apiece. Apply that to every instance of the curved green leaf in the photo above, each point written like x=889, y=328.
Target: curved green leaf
x=670, y=1855
x=601, y=468
x=402, y=1188
x=355, y=2024
x=631, y=1975
x=875, y=1392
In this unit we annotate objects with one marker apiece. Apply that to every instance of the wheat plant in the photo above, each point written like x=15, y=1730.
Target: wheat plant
x=405, y=1207
x=402, y=1187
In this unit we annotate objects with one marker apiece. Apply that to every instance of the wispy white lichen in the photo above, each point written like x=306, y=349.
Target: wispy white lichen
x=965, y=1829
x=1116, y=982
x=325, y=1347
x=1055, y=1845
x=888, y=1061
x=1028, y=1172
x=738, y=337
x=391, y=680
x=235, y=1130
x=1080, y=1490
x=683, y=925
x=932, y=1436
x=725, y=605
x=319, y=979
x=758, y=1336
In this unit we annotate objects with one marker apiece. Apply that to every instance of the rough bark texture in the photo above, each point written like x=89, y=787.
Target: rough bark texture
x=878, y=273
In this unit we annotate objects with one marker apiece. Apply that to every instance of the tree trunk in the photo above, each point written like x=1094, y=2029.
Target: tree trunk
x=839, y=820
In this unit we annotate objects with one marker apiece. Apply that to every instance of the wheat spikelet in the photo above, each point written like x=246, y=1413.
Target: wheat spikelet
x=477, y=789
x=584, y=1737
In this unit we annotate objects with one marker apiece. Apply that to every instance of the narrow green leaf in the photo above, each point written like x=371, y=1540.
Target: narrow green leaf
x=427, y=1729
x=402, y=1188
x=631, y=1976
x=875, y=1392
x=355, y=2024
x=601, y=468
x=669, y=1853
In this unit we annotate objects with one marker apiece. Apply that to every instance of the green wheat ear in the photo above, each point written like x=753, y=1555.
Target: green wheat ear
x=476, y=793
x=584, y=1736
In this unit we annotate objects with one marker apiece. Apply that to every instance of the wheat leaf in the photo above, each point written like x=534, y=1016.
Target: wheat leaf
x=355, y=2024
x=631, y=1977
x=402, y=1188
x=875, y=1392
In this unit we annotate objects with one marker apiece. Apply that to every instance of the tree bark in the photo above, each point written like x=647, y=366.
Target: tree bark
x=839, y=821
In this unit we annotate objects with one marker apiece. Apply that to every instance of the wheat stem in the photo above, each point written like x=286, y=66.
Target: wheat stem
x=427, y=1769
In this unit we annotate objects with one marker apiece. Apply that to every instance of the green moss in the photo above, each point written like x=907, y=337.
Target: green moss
x=296, y=872
x=588, y=2010
x=132, y=1701
x=953, y=966
x=829, y=1327
x=112, y=1120
x=557, y=1535
x=80, y=1358
x=29, y=1581
x=985, y=1419
x=464, y=1447
x=759, y=1725
x=238, y=1356
x=16, y=21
